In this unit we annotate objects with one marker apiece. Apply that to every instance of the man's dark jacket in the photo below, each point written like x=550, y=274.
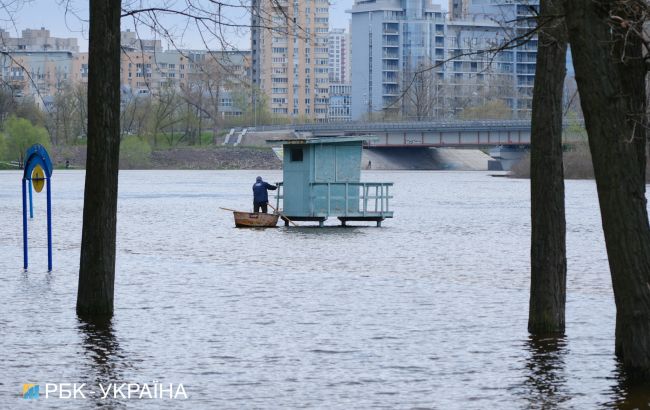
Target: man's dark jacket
x=260, y=195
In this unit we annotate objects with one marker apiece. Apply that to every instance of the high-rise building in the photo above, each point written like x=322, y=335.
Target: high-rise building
x=290, y=57
x=516, y=66
x=338, y=56
x=394, y=40
x=458, y=9
x=390, y=39
x=339, y=108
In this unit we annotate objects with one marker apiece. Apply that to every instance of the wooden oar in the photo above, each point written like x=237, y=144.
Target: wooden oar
x=228, y=209
x=282, y=215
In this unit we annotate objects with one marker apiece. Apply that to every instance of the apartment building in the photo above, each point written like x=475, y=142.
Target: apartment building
x=36, y=73
x=221, y=78
x=458, y=9
x=141, y=72
x=216, y=74
x=340, y=103
x=290, y=57
x=389, y=39
x=339, y=56
x=393, y=40
x=33, y=40
x=131, y=41
x=36, y=64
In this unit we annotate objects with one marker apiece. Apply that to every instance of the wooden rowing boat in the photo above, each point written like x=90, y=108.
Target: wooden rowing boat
x=255, y=220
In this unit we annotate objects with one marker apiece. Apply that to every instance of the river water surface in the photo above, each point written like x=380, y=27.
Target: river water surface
x=429, y=311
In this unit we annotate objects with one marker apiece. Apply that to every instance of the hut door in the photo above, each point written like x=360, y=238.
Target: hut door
x=296, y=180
x=348, y=163
x=324, y=172
x=348, y=169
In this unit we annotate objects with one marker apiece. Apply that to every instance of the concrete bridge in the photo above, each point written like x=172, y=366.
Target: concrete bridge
x=429, y=134
x=508, y=139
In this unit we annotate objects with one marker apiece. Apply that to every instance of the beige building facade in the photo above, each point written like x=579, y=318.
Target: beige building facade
x=290, y=60
x=36, y=64
x=36, y=73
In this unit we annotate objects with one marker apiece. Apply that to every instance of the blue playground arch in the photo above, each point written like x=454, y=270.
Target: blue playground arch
x=37, y=156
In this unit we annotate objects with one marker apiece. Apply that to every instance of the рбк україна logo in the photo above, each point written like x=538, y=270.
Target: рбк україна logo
x=30, y=391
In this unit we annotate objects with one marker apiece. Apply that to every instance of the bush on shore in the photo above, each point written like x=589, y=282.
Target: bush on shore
x=577, y=164
x=134, y=152
x=17, y=135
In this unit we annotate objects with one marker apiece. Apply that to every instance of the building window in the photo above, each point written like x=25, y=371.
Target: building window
x=296, y=154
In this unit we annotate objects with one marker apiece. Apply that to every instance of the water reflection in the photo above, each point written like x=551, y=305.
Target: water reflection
x=628, y=394
x=242, y=317
x=546, y=377
x=107, y=360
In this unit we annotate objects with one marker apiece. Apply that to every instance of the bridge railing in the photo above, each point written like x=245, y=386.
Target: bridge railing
x=405, y=125
x=400, y=124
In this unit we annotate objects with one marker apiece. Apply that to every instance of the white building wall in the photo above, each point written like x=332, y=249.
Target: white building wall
x=424, y=37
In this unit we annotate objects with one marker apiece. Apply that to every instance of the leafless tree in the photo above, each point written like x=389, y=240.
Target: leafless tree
x=212, y=19
x=423, y=97
x=204, y=90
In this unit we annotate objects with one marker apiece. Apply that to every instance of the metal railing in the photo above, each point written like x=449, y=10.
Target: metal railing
x=361, y=125
x=378, y=125
x=362, y=203
x=371, y=199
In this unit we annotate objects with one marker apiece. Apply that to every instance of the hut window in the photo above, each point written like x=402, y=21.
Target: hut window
x=296, y=154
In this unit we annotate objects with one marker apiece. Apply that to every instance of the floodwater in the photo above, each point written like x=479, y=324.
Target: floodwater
x=429, y=311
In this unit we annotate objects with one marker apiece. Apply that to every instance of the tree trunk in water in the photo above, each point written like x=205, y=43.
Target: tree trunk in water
x=97, y=265
x=610, y=74
x=548, y=238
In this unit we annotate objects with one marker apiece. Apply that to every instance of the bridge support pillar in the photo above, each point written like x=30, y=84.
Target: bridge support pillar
x=508, y=156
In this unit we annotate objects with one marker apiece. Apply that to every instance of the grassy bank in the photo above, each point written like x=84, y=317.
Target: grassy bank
x=210, y=157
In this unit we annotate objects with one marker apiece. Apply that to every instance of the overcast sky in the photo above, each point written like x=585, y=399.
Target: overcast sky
x=52, y=15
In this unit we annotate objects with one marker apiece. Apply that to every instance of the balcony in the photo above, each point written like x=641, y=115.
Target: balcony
x=389, y=78
x=391, y=28
x=390, y=90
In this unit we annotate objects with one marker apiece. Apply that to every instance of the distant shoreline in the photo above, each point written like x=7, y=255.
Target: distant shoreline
x=219, y=157
x=182, y=158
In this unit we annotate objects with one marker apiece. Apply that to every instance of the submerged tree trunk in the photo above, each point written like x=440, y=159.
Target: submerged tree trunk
x=610, y=72
x=548, y=238
x=97, y=265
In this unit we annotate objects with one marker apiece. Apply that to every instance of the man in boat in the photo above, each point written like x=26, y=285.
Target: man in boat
x=260, y=194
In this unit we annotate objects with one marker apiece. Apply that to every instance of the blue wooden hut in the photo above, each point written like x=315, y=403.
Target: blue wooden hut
x=322, y=179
